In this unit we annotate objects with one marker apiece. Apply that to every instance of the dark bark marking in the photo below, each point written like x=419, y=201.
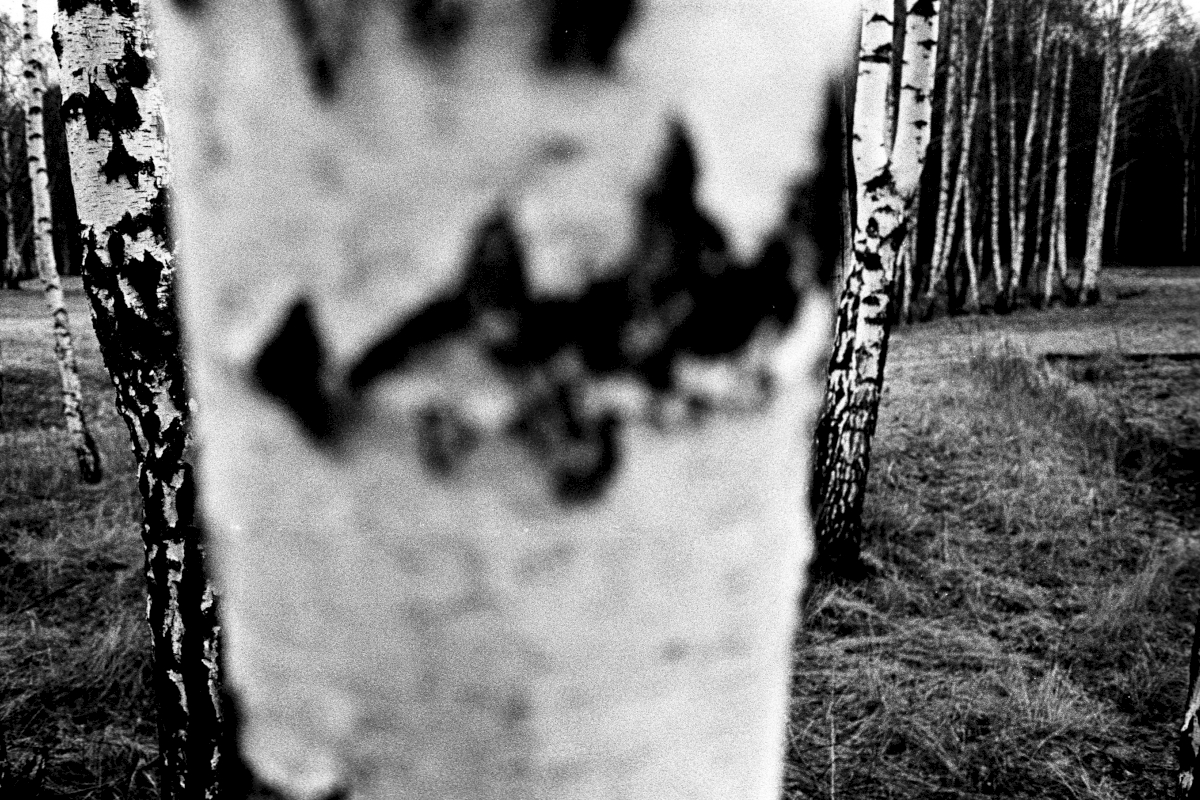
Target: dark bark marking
x=96, y=108
x=122, y=7
x=131, y=69
x=583, y=33
x=120, y=162
x=291, y=369
x=436, y=27
x=681, y=292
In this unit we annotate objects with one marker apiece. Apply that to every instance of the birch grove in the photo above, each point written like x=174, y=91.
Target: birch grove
x=475, y=366
x=86, y=453
x=113, y=113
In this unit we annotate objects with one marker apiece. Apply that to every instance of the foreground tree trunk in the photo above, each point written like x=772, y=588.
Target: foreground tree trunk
x=114, y=121
x=503, y=384
x=889, y=176
x=86, y=452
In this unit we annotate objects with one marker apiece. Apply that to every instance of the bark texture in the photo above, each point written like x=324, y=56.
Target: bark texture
x=505, y=385
x=889, y=176
x=80, y=437
x=116, y=137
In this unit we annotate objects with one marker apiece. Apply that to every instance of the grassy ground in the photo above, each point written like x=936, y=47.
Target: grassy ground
x=1037, y=544
x=73, y=690
x=1034, y=532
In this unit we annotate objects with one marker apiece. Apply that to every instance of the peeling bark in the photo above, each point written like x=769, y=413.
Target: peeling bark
x=86, y=453
x=113, y=105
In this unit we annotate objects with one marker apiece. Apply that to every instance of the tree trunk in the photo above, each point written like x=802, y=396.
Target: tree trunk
x=1058, y=222
x=503, y=385
x=1189, y=735
x=1019, y=237
x=889, y=177
x=43, y=245
x=1116, y=66
x=1044, y=172
x=994, y=144
x=12, y=258
x=968, y=135
x=120, y=173
x=950, y=110
x=1183, y=231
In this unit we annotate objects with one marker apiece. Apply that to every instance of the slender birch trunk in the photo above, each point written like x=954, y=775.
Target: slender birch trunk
x=1020, y=190
x=1116, y=66
x=86, y=452
x=120, y=172
x=1011, y=117
x=1047, y=142
x=443, y=350
x=889, y=177
x=1183, y=231
x=1116, y=238
x=994, y=147
x=12, y=258
x=1058, y=235
x=972, y=255
x=968, y=135
x=950, y=118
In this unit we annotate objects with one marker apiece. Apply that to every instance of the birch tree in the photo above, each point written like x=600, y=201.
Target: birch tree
x=1124, y=27
x=504, y=384
x=12, y=258
x=971, y=103
x=951, y=113
x=1057, y=266
x=80, y=437
x=119, y=166
x=889, y=175
x=1020, y=187
x=1183, y=91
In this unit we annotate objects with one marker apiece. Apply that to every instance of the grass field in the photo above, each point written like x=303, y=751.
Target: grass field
x=1034, y=533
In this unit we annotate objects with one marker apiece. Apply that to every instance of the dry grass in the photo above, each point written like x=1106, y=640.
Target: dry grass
x=74, y=691
x=1026, y=634
x=1027, y=631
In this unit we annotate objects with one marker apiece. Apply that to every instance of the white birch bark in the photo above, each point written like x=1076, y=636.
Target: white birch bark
x=889, y=177
x=113, y=114
x=1047, y=141
x=1057, y=258
x=968, y=133
x=414, y=613
x=1116, y=66
x=950, y=116
x=12, y=260
x=1021, y=187
x=994, y=181
x=78, y=434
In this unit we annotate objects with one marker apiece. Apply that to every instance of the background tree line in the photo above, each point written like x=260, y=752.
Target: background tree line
x=1062, y=134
